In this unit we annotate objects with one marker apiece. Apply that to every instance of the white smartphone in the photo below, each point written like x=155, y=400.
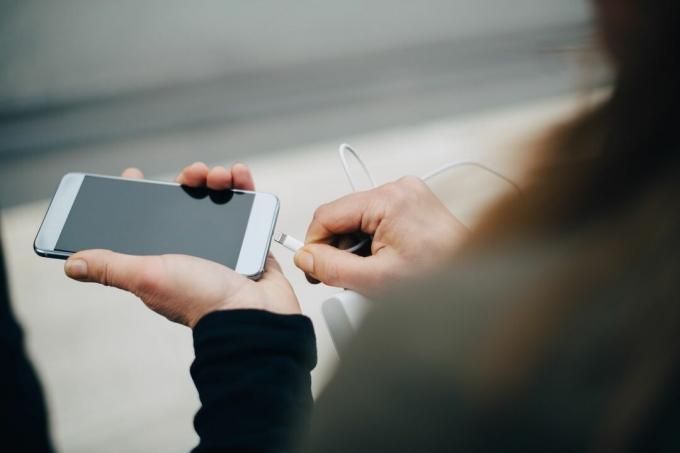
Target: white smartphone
x=139, y=217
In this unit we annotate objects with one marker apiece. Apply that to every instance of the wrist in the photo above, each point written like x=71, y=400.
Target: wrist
x=285, y=305
x=280, y=306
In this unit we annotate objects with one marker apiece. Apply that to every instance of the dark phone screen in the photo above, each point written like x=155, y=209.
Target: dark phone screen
x=140, y=218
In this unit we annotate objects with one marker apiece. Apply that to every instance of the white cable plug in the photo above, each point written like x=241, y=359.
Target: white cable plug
x=294, y=245
x=288, y=242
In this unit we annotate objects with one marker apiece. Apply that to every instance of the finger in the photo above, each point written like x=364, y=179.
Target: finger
x=344, y=215
x=272, y=263
x=127, y=272
x=242, y=177
x=219, y=178
x=335, y=267
x=194, y=175
x=273, y=272
x=132, y=173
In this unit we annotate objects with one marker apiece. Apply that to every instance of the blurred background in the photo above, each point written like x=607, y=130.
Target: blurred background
x=97, y=86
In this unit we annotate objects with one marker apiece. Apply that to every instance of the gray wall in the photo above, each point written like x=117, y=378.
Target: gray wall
x=55, y=51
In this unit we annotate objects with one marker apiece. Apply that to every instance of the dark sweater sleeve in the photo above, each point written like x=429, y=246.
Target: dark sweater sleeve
x=252, y=372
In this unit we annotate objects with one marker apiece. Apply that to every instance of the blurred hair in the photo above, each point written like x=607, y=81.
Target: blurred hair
x=612, y=177
x=599, y=162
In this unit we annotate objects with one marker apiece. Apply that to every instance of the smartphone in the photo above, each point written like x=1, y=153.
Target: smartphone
x=140, y=217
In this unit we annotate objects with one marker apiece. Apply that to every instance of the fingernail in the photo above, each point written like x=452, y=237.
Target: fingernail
x=76, y=269
x=305, y=261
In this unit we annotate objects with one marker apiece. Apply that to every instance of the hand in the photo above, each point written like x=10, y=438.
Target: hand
x=412, y=231
x=185, y=288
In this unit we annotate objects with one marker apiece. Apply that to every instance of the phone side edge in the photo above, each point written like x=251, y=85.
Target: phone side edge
x=259, y=232
x=56, y=215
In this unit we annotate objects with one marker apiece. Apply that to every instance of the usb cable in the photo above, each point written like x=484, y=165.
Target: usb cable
x=294, y=245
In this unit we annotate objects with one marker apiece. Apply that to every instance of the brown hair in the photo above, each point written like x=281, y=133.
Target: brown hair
x=612, y=178
x=600, y=162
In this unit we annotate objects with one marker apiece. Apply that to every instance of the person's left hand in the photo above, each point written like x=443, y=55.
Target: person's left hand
x=185, y=288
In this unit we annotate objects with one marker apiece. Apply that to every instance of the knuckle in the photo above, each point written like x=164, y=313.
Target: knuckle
x=391, y=190
x=329, y=272
x=104, y=273
x=320, y=212
x=411, y=182
x=396, y=193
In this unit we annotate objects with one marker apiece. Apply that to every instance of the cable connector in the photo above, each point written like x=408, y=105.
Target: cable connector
x=288, y=242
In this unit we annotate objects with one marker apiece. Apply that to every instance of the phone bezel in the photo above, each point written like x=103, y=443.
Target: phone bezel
x=254, y=249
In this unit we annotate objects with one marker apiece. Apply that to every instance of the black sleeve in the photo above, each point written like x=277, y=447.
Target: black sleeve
x=252, y=372
x=23, y=414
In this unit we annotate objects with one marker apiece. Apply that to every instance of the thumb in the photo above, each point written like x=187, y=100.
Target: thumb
x=337, y=267
x=126, y=272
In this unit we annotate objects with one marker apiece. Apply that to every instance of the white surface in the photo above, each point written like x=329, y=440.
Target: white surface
x=117, y=375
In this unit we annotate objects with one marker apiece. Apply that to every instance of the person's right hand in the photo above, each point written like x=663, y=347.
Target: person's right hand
x=412, y=232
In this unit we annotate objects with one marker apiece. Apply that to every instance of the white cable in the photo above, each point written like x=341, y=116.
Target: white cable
x=294, y=245
x=344, y=148
x=470, y=163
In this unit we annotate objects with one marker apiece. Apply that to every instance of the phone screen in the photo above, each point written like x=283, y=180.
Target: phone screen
x=141, y=218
